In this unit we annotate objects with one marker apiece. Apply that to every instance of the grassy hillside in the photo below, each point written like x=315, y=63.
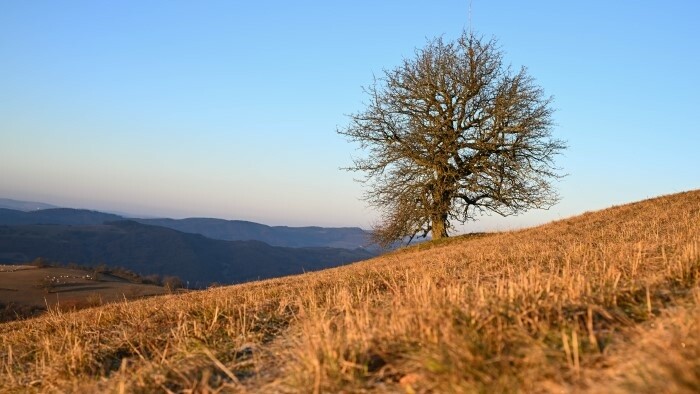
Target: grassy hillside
x=606, y=301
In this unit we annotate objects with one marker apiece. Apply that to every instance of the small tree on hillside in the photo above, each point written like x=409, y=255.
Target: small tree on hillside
x=450, y=134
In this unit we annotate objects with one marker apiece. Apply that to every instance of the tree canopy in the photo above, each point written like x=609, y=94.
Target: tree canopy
x=450, y=134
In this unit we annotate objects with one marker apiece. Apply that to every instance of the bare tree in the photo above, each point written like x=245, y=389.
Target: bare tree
x=450, y=134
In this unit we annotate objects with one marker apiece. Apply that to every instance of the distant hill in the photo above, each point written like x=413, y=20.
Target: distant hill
x=8, y=203
x=147, y=249
x=227, y=230
x=295, y=237
x=65, y=216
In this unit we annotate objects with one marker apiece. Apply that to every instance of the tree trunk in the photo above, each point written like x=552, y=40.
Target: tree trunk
x=439, y=226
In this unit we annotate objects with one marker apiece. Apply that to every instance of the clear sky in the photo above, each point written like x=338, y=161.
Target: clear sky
x=229, y=109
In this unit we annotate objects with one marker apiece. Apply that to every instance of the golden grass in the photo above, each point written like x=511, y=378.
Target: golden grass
x=603, y=301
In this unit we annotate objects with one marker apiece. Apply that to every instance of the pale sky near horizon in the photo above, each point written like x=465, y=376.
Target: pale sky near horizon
x=229, y=109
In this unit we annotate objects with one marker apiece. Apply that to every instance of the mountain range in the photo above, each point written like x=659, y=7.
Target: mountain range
x=294, y=237
x=227, y=230
x=199, y=250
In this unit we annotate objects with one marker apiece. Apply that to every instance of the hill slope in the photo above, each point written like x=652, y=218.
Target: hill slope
x=555, y=308
x=158, y=250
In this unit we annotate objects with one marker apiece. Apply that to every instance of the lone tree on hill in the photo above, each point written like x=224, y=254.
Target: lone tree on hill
x=450, y=134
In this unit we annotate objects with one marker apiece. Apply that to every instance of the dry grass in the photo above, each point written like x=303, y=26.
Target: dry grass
x=588, y=303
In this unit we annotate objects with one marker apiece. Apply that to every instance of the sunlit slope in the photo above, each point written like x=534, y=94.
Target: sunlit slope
x=560, y=306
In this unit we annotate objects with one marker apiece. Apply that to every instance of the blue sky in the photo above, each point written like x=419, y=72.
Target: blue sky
x=229, y=109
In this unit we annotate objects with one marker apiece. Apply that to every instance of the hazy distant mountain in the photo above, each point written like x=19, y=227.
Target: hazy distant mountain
x=238, y=230
x=8, y=203
x=227, y=230
x=67, y=216
x=149, y=249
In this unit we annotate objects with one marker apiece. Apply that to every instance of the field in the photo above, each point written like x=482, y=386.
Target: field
x=28, y=291
x=603, y=302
